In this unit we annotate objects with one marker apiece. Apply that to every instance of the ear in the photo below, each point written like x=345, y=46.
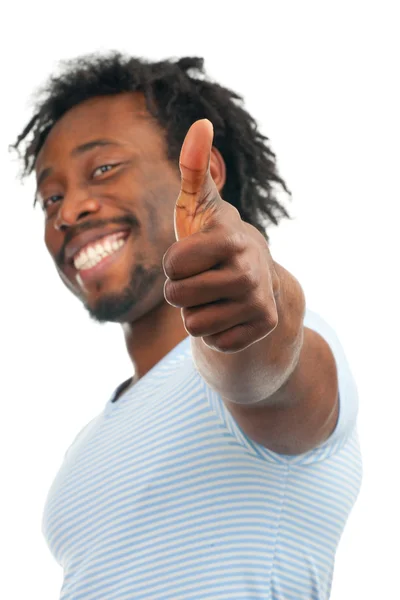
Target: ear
x=217, y=168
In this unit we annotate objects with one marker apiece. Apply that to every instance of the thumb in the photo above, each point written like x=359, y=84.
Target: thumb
x=193, y=204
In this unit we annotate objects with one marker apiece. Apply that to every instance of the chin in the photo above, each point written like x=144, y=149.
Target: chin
x=111, y=308
x=141, y=295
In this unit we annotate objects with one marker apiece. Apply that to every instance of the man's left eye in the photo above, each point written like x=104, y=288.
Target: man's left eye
x=103, y=169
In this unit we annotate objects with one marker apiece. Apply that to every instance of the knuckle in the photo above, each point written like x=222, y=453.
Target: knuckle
x=272, y=318
x=193, y=324
x=248, y=278
x=252, y=279
x=268, y=316
x=172, y=292
x=252, y=333
x=227, y=342
x=217, y=342
x=223, y=344
x=171, y=263
x=235, y=242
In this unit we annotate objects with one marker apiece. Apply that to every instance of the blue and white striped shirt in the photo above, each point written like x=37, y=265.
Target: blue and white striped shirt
x=163, y=497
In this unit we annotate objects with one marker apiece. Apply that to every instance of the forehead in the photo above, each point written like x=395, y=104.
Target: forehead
x=122, y=118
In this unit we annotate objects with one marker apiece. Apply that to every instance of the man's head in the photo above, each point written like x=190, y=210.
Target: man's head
x=105, y=142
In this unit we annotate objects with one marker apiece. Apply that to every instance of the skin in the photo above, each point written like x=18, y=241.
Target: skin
x=278, y=378
x=75, y=198
x=191, y=266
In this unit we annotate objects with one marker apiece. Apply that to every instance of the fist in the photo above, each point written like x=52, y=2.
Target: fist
x=219, y=271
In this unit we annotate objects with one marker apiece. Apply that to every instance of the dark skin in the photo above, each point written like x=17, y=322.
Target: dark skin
x=203, y=271
x=140, y=178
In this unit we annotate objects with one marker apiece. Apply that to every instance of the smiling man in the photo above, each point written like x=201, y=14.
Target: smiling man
x=227, y=465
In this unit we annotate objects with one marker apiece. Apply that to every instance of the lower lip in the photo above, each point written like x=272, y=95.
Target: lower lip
x=87, y=275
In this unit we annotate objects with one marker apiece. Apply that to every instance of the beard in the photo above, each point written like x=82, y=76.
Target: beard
x=118, y=307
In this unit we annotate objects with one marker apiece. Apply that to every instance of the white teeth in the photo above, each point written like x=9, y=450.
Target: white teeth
x=93, y=254
x=100, y=250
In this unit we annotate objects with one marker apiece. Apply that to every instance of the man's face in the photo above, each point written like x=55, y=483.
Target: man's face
x=108, y=193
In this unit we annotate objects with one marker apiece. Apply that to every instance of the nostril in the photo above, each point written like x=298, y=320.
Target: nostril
x=84, y=214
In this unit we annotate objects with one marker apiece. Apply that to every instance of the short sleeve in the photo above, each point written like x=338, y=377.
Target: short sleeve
x=348, y=393
x=345, y=430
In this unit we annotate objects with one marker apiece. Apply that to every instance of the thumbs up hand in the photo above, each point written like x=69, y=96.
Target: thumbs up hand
x=219, y=271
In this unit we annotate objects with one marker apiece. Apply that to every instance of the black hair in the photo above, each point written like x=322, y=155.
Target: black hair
x=177, y=93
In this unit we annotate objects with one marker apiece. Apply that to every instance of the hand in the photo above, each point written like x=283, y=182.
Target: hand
x=219, y=271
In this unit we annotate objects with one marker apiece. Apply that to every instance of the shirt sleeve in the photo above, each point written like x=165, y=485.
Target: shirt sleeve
x=348, y=393
x=345, y=432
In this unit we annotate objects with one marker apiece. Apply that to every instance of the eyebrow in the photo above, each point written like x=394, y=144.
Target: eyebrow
x=77, y=152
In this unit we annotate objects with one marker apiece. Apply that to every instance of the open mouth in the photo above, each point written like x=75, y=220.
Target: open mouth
x=96, y=252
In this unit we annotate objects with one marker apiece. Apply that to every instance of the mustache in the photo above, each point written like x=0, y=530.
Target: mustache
x=71, y=233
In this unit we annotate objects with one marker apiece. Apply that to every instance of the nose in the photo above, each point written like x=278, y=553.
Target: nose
x=74, y=208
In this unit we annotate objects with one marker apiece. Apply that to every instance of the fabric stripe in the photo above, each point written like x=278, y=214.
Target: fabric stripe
x=162, y=496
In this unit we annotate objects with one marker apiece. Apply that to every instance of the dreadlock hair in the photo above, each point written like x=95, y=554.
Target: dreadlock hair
x=177, y=93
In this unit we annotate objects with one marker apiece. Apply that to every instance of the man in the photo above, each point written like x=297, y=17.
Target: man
x=227, y=466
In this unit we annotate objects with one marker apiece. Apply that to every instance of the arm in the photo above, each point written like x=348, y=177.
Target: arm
x=245, y=315
x=283, y=390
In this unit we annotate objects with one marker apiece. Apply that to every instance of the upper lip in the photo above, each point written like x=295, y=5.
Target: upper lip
x=82, y=240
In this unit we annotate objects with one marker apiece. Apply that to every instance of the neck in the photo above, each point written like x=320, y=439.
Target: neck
x=150, y=338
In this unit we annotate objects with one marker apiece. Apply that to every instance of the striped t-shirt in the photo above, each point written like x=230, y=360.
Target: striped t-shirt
x=163, y=497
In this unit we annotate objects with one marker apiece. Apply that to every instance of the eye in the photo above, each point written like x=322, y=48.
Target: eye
x=103, y=169
x=50, y=201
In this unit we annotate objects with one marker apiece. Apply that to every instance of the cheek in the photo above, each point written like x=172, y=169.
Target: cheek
x=68, y=284
x=160, y=226
x=53, y=241
x=50, y=242
x=152, y=198
x=161, y=211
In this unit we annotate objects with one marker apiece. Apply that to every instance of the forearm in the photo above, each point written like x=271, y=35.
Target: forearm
x=255, y=374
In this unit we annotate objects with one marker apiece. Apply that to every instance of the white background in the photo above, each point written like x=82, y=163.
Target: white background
x=321, y=80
